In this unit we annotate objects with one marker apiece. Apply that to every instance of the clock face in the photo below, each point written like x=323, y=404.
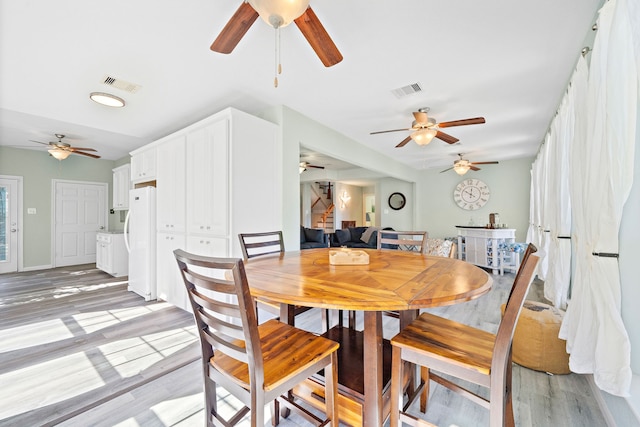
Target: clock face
x=471, y=194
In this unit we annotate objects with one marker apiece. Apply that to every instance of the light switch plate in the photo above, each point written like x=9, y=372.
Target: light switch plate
x=31, y=211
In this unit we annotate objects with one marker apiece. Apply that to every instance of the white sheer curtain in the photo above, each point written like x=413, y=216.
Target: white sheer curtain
x=596, y=338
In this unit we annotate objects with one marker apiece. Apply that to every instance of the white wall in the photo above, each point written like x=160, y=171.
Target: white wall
x=352, y=210
x=296, y=129
x=629, y=255
x=508, y=181
x=400, y=220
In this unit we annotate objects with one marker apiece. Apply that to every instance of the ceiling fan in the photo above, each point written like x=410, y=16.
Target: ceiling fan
x=305, y=165
x=61, y=150
x=279, y=14
x=462, y=166
x=426, y=128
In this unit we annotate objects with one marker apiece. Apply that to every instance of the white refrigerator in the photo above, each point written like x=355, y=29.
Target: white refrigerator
x=140, y=239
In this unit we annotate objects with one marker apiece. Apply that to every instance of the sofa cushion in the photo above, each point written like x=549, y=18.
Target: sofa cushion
x=302, y=236
x=314, y=235
x=312, y=245
x=343, y=236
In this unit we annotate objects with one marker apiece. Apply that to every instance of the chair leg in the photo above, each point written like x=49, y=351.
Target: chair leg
x=396, y=386
x=352, y=319
x=210, y=399
x=331, y=390
x=257, y=410
x=291, y=316
x=275, y=412
x=508, y=415
x=500, y=404
x=424, y=396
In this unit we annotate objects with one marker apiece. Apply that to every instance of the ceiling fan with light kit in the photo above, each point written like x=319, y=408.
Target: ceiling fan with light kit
x=462, y=166
x=305, y=165
x=425, y=128
x=61, y=150
x=278, y=14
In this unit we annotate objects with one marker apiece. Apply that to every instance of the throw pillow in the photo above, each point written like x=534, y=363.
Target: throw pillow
x=439, y=247
x=366, y=236
x=314, y=235
x=356, y=233
x=343, y=236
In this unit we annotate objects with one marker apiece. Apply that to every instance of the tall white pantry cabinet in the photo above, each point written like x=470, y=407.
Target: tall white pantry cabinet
x=216, y=178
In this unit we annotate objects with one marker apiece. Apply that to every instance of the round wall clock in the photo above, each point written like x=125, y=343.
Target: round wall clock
x=471, y=194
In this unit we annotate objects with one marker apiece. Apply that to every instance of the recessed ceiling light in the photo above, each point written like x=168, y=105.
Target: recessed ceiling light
x=107, y=99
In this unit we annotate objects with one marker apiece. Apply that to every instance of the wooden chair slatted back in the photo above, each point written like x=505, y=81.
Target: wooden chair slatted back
x=223, y=308
x=519, y=290
x=256, y=244
x=403, y=238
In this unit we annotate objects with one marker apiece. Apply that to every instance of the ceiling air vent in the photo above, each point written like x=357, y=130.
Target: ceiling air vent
x=407, y=90
x=121, y=84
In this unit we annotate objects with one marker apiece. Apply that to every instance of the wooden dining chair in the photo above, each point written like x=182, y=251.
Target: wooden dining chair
x=415, y=241
x=257, y=364
x=441, y=247
x=461, y=351
x=404, y=240
x=259, y=244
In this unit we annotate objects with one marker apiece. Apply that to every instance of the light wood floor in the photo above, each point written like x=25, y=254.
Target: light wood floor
x=77, y=349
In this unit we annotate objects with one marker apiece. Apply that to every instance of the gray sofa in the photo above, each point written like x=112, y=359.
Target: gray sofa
x=352, y=237
x=313, y=238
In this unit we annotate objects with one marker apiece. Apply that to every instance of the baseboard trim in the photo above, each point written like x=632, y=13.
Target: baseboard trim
x=37, y=267
x=625, y=414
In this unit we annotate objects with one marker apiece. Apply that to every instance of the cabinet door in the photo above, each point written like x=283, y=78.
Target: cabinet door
x=99, y=254
x=476, y=250
x=208, y=246
x=104, y=253
x=170, y=285
x=143, y=166
x=208, y=179
x=170, y=185
x=121, y=179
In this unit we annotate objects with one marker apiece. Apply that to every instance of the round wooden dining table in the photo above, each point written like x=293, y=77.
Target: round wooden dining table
x=392, y=280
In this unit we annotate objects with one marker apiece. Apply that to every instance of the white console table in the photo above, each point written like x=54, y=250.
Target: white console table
x=479, y=246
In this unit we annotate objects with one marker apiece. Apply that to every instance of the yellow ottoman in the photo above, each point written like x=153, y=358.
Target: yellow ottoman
x=535, y=342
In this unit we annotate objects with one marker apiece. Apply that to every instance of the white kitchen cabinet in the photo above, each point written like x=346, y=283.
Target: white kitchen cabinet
x=207, y=246
x=143, y=164
x=170, y=185
x=480, y=246
x=234, y=182
x=111, y=254
x=121, y=185
x=208, y=179
x=170, y=284
x=214, y=179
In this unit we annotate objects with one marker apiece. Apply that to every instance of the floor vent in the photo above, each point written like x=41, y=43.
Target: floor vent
x=407, y=90
x=121, y=84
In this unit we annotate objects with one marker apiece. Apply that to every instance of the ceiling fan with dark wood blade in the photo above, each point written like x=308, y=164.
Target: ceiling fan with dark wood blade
x=305, y=165
x=462, y=166
x=279, y=14
x=61, y=150
x=425, y=128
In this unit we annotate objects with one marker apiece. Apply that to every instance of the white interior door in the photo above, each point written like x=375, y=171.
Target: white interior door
x=9, y=225
x=80, y=213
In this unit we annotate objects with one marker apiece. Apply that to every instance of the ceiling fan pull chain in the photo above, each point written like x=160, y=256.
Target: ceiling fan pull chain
x=278, y=64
